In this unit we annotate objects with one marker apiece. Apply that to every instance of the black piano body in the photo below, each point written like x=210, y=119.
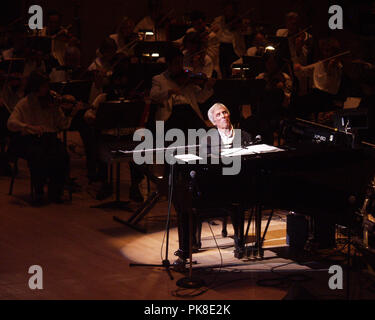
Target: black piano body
x=319, y=180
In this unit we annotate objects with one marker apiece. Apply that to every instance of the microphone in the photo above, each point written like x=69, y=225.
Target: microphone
x=194, y=184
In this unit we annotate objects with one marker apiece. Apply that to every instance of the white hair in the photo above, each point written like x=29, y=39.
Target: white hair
x=210, y=112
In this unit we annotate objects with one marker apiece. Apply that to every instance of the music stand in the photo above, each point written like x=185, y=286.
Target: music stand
x=255, y=64
x=116, y=115
x=281, y=44
x=148, y=48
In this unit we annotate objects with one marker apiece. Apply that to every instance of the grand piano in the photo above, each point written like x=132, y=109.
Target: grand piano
x=322, y=175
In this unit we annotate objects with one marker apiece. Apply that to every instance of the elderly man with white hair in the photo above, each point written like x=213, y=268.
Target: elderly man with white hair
x=219, y=116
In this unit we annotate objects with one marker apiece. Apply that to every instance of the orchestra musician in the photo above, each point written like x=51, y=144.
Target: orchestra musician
x=17, y=48
x=124, y=37
x=38, y=119
x=232, y=43
x=121, y=86
x=59, y=35
x=71, y=69
x=195, y=58
x=179, y=95
x=274, y=101
x=101, y=67
x=208, y=39
x=257, y=49
x=300, y=41
x=154, y=22
x=327, y=78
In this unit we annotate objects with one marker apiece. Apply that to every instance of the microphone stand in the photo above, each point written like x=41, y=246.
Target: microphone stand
x=165, y=263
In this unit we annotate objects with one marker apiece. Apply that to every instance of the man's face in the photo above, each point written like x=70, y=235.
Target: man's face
x=221, y=118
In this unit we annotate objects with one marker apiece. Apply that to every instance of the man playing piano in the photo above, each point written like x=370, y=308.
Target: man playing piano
x=219, y=116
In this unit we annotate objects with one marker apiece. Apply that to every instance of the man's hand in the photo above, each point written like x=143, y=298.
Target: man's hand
x=297, y=67
x=37, y=130
x=174, y=91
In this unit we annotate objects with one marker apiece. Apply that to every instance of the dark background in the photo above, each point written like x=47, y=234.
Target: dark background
x=100, y=18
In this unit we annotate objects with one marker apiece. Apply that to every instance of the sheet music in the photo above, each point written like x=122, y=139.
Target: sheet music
x=235, y=152
x=188, y=157
x=263, y=148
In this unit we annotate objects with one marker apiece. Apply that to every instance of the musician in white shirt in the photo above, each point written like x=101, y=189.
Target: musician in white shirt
x=299, y=44
x=174, y=88
x=326, y=77
x=199, y=25
x=124, y=37
x=232, y=42
x=153, y=22
x=195, y=57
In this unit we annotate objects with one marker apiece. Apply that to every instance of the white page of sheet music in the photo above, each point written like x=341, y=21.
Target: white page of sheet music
x=187, y=157
x=263, y=148
x=235, y=152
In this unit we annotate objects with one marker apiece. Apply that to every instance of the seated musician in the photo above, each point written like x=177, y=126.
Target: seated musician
x=120, y=87
x=101, y=67
x=274, y=101
x=232, y=42
x=125, y=38
x=327, y=78
x=208, y=39
x=179, y=95
x=257, y=49
x=153, y=22
x=71, y=69
x=38, y=120
x=58, y=34
x=219, y=116
x=195, y=58
x=13, y=91
x=299, y=46
x=17, y=43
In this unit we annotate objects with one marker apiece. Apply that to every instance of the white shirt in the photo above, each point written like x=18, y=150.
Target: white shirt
x=212, y=48
x=322, y=78
x=296, y=58
x=192, y=95
x=227, y=140
x=28, y=111
x=207, y=67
